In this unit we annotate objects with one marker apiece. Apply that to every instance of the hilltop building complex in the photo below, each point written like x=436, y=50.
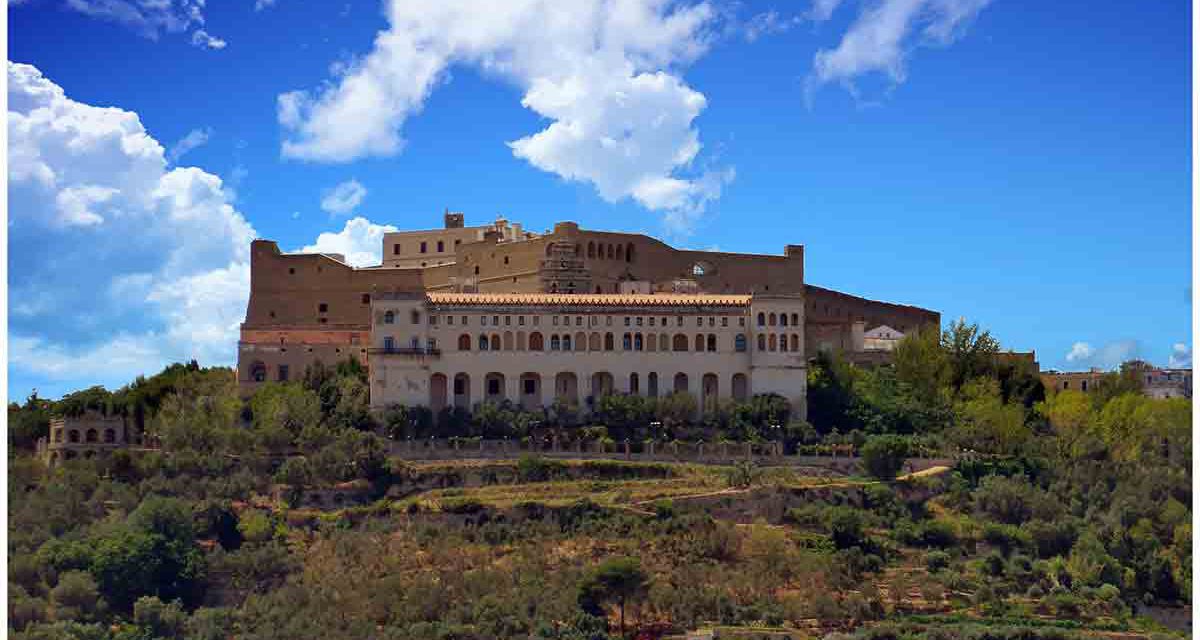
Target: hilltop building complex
x=460, y=315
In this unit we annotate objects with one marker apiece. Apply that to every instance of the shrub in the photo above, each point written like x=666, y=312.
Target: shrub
x=538, y=469
x=936, y=561
x=883, y=456
x=845, y=527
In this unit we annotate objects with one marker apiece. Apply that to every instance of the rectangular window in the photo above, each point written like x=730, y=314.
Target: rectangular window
x=389, y=343
x=283, y=373
x=422, y=247
x=554, y=321
x=395, y=249
x=712, y=322
x=493, y=387
x=652, y=322
x=495, y=321
x=508, y=321
x=639, y=321
x=536, y=320
x=323, y=307
x=366, y=298
x=530, y=386
x=441, y=246
x=520, y=321
x=699, y=322
x=464, y=321
x=459, y=387
x=608, y=321
x=627, y=321
x=679, y=321
x=433, y=320
x=483, y=321
x=724, y=322
x=450, y=320
x=742, y=321
x=579, y=321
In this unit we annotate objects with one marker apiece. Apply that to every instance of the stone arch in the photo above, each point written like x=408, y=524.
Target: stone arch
x=681, y=382
x=741, y=387
x=594, y=341
x=679, y=342
x=110, y=435
x=581, y=341
x=709, y=389
x=437, y=392
x=566, y=387
x=508, y=341
x=92, y=436
x=699, y=343
x=464, y=342
x=462, y=391
x=531, y=391
x=602, y=384
x=493, y=387
x=536, y=341
x=652, y=384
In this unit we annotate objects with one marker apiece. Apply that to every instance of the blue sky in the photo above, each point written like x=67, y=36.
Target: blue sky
x=1023, y=164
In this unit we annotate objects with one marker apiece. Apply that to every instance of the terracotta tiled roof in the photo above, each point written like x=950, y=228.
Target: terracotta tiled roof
x=591, y=299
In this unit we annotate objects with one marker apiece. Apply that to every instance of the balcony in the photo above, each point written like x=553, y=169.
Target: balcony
x=406, y=351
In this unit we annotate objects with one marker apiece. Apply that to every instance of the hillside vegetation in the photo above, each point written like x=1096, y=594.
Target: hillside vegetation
x=1062, y=515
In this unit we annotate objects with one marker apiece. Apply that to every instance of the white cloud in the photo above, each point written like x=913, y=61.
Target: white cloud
x=344, y=198
x=151, y=18
x=884, y=35
x=769, y=23
x=822, y=10
x=1181, y=356
x=1080, y=351
x=104, y=234
x=360, y=241
x=1109, y=356
x=194, y=138
x=605, y=73
x=201, y=39
x=259, y=5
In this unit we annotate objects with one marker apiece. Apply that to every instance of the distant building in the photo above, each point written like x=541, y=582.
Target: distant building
x=84, y=436
x=1155, y=382
x=881, y=338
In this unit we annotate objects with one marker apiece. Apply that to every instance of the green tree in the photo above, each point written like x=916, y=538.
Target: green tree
x=76, y=597
x=883, y=456
x=923, y=364
x=1070, y=415
x=971, y=352
x=619, y=580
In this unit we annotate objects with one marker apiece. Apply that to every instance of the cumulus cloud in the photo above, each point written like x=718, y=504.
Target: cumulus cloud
x=152, y=18
x=1109, y=356
x=360, y=241
x=1181, y=356
x=885, y=33
x=822, y=10
x=201, y=39
x=194, y=138
x=604, y=73
x=104, y=234
x=344, y=198
x=769, y=23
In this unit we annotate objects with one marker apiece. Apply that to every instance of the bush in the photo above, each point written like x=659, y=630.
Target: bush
x=538, y=469
x=883, y=456
x=936, y=561
x=845, y=527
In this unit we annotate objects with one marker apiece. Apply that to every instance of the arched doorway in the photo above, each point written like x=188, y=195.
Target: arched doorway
x=566, y=387
x=602, y=384
x=681, y=383
x=531, y=391
x=493, y=387
x=741, y=387
x=652, y=385
x=462, y=391
x=437, y=392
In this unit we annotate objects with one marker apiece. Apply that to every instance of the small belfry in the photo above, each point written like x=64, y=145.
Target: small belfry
x=491, y=313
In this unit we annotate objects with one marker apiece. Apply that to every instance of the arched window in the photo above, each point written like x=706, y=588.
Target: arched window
x=609, y=342
x=783, y=342
x=389, y=317
x=652, y=385
x=595, y=342
x=591, y=250
x=73, y=435
x=637, y=342
x=699, y=342
x=508, y=341
x=681, y=383
x=633, y=383
x=651, y=342
x=555, y=342
x=566, y=342
x=762, y=342
x=629, y=252
x=536, y=342
x=762, y=319
x=620, y=252
x=795, y=343
x=773, y=341
x=416, y=316
x=581, y=341
x=110, y=436
x=92, y=435
x=679, y=342
x=739, y=342
x=795, y=319
x=495, y=343
x=627, y=342
x=783, y=319
x=771, y=319
x=712, y=342
x=464, y=342
x=609, y=251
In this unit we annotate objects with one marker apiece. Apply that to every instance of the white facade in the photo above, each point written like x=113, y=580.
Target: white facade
x=881, y=338
x=441, y=350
